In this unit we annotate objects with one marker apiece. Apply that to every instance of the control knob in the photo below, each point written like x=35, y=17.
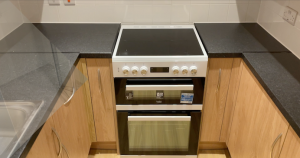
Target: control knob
x=193, y=70
x=175, y=70
x=125, y=70
x=184, y=70
x=144, y=70
x=134, y=70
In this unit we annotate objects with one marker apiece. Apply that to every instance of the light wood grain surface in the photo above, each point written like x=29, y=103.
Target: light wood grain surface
x=235, y=76
x=256, y=123
x=102, y=98
x=216, y=89
x=202, y=154
x=291, y=146
x=81, y=66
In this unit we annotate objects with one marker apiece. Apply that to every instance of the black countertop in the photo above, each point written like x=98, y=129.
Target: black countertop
x=233, y=39
x=279, y=74
x=90, y=40
x=275, y=67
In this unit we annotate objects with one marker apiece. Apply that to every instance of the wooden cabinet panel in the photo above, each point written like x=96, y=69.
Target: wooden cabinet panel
x=216, y=88
x=71, y=122
x=46, y=144
x=256, y=122
x=82, y=67
x=72, y=125
x=291, y=146
x=101, y=81
x=233, y=87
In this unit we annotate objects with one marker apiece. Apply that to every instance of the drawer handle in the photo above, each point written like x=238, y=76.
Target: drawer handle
x=99, y=80
x=274, y=143
x=66, y=151
x=60, y=145
x=219, y=80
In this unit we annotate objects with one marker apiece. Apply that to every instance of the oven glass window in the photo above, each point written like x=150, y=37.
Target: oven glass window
x=158, y=135
x=159, y=91
x=158, y=132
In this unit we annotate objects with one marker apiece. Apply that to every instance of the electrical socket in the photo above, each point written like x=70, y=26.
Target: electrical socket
x=290, y=15
x=69, y=2
x=53, y=2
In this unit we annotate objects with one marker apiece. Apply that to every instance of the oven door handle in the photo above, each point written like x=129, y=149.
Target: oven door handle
x=159, y=87
x=159, y=118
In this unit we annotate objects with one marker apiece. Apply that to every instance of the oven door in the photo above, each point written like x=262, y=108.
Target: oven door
x=159, y=91
x=158, y=132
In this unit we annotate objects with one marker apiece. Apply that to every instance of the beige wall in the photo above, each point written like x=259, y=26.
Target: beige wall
x=142, y=11
x=270, y=17
x=10, y=17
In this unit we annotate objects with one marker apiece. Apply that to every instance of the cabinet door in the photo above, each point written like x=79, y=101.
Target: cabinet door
x=291, y=146
x=47, y=143
x=72, y=125
x=256, y=123
x=217, y=81
x=101, y=86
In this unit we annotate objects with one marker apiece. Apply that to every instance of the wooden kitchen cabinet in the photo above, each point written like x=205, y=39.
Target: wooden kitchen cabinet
x=66, y=131
x=257, y=123
x=291, y=146
x=47, y=143
x=102, y=93
x=216, y=88
x=71, y=123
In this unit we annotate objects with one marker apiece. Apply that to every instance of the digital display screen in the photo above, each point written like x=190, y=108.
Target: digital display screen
x=159, y=69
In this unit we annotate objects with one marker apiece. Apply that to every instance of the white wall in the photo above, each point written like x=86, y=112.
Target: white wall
x=142, y=11
x=270, y=17
x=10, y=17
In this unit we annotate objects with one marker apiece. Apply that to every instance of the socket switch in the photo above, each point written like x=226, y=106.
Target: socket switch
x=290, y=15
x=69, y=2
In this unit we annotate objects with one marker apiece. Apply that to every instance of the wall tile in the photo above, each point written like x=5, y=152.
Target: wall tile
x=10, y=17
x=180, y=13
x=159, y=2
x=218, y=13
x=128, y=13
x=78, y=13
x=181, y=1
x=39, y=12
x=270, y=18
x=199, y=12
x=200, y=1
x=143, y=14
x=161, y=13
x=237, y=12
x=252, y=12
x=143, y=11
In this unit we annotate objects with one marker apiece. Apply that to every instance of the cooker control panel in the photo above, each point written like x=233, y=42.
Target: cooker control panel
x=166, y=69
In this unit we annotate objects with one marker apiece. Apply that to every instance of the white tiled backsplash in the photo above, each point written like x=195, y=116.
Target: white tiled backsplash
x=10, y=17
x=270, y=17
x=142, y=11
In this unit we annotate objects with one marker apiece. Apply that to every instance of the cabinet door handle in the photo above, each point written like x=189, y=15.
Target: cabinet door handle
x=58, y=138
x=99, y=81
x=73, y=90
x=274, y=143
x=66, y=151
x=219, y=80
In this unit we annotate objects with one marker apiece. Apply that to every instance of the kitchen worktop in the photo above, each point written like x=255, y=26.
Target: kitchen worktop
x=277, y=71
x=275, y=67
x=90, y=40
x=233, y=39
